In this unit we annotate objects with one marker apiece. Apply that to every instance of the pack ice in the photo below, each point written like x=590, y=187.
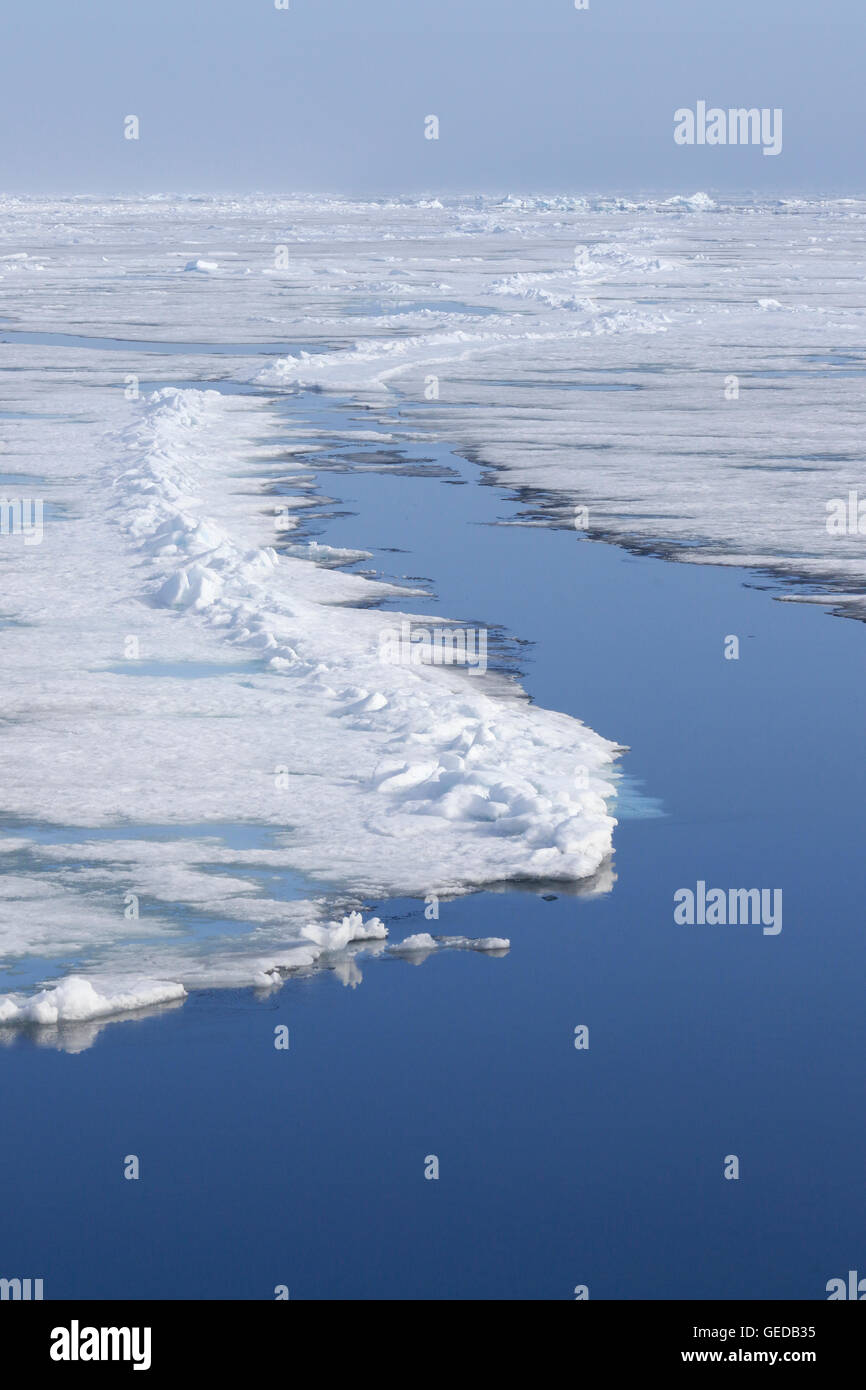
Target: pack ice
x=686, y=371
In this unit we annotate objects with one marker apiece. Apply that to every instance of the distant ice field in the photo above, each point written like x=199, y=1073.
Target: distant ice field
x=674, y=374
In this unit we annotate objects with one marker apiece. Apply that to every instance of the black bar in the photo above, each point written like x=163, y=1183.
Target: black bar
x=240, y=1337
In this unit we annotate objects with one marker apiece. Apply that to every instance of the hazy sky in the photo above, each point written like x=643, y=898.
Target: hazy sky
x=331, y=95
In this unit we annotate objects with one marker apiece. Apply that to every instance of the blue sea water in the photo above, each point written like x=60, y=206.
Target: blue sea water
x=558, y=1166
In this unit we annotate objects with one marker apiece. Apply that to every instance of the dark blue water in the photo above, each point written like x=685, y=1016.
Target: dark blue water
x=558, y=1167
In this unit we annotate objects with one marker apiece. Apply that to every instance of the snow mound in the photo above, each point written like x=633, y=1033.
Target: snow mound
x=77, y=999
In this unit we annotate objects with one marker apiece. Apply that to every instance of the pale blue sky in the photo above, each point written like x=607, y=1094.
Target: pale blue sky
x=331, y=95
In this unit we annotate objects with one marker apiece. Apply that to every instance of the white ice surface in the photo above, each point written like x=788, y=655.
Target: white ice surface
x=77, y=999
x=161, y=532
x=580, y=347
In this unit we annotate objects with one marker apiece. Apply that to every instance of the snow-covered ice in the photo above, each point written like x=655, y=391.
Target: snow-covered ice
x=582, y=349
